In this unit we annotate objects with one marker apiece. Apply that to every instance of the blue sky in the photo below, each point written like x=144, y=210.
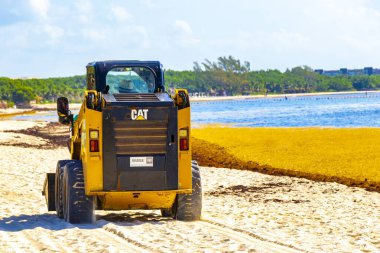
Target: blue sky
x=46, y=38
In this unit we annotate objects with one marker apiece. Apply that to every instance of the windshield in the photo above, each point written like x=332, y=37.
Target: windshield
x=130, y=80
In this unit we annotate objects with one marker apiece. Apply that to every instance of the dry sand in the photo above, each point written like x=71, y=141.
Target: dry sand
x=53, y=106
x=9, y=112
x=243, y=211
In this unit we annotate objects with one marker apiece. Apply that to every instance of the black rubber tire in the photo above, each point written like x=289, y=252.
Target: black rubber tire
x=58, y=187
x=188, y=207
x=77, y=207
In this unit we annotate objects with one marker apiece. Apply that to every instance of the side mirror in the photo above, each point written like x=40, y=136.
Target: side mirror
x=64, y=114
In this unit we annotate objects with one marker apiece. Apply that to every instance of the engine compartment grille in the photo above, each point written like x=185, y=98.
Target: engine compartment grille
x=140, y=137
x=135, y=97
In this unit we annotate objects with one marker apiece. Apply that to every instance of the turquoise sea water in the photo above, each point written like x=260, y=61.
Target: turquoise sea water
x=353, y=110
x=341, y=110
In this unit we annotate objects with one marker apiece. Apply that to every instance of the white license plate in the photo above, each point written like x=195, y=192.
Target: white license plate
x=141, y=161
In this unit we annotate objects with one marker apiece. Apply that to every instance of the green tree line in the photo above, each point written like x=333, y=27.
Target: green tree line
x=230, y=76
x=41, y=90
x=226, y=76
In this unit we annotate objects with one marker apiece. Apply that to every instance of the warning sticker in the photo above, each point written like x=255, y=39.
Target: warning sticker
x=141, y=161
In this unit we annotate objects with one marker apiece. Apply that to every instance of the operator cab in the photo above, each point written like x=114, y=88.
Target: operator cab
x=130, y=80
x=117, y=77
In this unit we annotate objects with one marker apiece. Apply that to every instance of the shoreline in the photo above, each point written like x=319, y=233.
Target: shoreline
x=76, y=106
x=288, y=95
x=10, y=112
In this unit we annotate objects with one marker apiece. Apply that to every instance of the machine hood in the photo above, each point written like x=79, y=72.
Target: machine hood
x=138, y=99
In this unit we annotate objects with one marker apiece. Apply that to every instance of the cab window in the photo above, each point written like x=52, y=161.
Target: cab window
x=130, y=80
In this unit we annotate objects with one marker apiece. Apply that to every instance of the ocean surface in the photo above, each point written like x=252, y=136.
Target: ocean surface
x=340, y=110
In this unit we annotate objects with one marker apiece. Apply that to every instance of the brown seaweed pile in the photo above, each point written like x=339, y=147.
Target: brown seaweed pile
x=53, y=135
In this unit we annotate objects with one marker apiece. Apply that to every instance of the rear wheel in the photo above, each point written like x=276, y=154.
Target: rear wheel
x=58, y=187
x=188, y=207
x=77, y=207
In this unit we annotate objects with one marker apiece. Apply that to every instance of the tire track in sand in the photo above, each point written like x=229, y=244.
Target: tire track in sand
x=247, y=237
x=15, y=242
x=250, y=240
x=113, y=229
x=100, y=234
x=118, y=241
x=25, y=239
x=29, y=240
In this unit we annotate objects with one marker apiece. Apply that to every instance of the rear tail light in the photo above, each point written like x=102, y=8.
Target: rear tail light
x=183, y=144
x=184, y=139
x=94, y=145
x=94, y=140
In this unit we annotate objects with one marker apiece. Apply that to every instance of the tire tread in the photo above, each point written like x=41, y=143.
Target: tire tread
x=79, y=207
x=189, y=206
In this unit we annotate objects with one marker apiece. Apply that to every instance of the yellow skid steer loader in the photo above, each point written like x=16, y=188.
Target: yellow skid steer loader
x=130, y=147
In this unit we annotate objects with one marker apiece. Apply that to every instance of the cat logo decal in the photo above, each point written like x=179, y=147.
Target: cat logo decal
x=139, y=114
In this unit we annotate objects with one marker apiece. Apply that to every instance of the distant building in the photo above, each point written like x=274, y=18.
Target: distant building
x=368, y=71
x=343, y=71
x=350, y=72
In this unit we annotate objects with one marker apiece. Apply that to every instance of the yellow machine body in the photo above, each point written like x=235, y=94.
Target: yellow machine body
x=130, y=147
x=90, y=120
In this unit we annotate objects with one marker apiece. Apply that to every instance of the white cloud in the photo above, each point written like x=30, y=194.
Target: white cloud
x=95, y=35
x=184, y=33
x=40, y=7
x=242, y=40
x=250, y=41
x=84, y=11
x=15, y=37
x=128, y=37
x=84, y=6
x=141, y=36
x=55, y=33
x=148, y=3
x=25, y=36
x=284, y=38
x=120, y=13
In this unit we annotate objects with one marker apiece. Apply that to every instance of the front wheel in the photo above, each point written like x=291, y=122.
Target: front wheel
x=58, y=187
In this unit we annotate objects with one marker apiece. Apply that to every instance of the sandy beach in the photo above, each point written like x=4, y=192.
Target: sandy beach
x=9, y=112
x=243, y=211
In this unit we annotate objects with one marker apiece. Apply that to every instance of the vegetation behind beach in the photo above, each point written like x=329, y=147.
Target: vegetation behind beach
x=226, y=76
